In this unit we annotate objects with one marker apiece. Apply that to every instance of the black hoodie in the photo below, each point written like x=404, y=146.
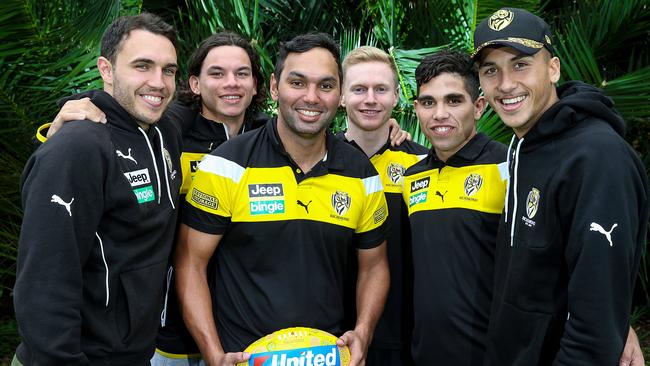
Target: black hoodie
x=570, y=239
x=100, y=206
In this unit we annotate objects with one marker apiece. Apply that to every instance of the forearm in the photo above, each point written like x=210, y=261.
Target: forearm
x=372, y=288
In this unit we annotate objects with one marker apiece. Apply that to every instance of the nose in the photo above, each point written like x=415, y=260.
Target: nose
x=370, y=97
x=506, y=82
x=157, y=79
x=311, y=94
x=440, y=113
x=230, y=80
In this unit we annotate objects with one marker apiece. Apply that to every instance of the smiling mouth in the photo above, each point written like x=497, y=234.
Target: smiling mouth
x=152, y=99
x=442, y=130
x=512, y=101
x=309, y=113
x=230, y=97
x=369, y=112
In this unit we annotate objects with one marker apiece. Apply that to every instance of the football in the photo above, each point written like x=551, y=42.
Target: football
x=297, y=347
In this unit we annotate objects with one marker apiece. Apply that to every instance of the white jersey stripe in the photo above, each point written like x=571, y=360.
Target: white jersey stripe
x=372, y=184
x=222, y=167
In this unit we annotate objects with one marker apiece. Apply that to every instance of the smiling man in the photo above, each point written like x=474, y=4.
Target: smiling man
x=566, y=258
x=370, y=91
x=280, y=208
x=99, y=212
x=454, y=198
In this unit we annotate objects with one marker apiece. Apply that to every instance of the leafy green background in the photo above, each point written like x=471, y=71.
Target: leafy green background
x=48, y=50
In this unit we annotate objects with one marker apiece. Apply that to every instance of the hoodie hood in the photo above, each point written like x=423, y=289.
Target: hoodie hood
x=577, y=102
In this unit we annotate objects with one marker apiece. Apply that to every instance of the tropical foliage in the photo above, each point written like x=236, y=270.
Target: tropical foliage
x=48, y=51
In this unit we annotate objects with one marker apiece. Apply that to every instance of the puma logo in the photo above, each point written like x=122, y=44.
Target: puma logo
x=306, y=206
x=441, y=195
x=608, y=234
x=57, y=199
x=127, y=157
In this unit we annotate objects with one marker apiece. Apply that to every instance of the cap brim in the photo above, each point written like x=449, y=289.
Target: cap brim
x=525, y=46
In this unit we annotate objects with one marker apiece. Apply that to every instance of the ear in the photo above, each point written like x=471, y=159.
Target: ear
x=342, y=101
x=254, y=86
x=274, y=88
x=194, y=85
x=479, y=107
x=396, y=97
x=554, y=69
x=105, y=70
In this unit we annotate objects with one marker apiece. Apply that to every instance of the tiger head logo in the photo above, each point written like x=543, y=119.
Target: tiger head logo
x=341, y=202
x=473, y=184
x=395, y=172
x=500, y=19
x=532, y=202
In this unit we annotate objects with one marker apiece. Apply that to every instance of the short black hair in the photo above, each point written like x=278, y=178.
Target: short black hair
x=304, y=43
x=119, y=30
x=449, y=61
x=195, y=63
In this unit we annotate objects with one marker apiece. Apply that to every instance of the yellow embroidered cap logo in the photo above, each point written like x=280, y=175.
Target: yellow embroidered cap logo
x=500, y=19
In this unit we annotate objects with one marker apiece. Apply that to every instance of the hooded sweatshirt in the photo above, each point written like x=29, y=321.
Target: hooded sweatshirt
x=100, y=204
x=570, y=238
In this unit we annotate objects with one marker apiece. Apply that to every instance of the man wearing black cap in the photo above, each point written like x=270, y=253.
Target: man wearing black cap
x=576, y=211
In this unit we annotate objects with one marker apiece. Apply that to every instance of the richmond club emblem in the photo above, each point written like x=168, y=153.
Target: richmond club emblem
x=341, y=202
x=473, y=184
x=500, y=19
x=395, y=172
x=532, y=203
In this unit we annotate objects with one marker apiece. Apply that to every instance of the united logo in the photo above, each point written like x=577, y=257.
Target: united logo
x=473, y=184
x=395, y=172
x=500, y=19
x=532, y=203
x=341, y=202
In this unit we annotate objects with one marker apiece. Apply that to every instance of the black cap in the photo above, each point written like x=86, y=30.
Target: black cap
x=513, y=27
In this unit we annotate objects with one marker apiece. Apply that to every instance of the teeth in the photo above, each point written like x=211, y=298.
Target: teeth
x=230, y=97
x=365, y=111
x=151, y=98
x=513, y=100
x=442, y=129
x=309, y=113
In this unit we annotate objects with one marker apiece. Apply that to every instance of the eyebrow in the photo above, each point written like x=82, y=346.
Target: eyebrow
x=300, y=75
x=454, y=95
x=217, y=67
x=151, y=62
x=516, y=57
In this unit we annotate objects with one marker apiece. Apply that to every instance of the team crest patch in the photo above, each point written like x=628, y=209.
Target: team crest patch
x=500, y=19
x=395, y=172
x=473, y=184
x=341, y=202
x=532, y=203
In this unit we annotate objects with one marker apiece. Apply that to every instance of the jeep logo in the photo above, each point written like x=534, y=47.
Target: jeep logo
x=265, y=190
x=138, y=177
x=420, y=184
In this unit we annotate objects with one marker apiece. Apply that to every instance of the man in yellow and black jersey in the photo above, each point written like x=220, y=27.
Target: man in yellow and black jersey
x=284, y=204
x=370, y=91
x=454, y=198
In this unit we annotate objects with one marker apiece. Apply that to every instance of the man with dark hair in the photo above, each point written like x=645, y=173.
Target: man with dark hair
x=89, y=282
x=454, y=198
x=284, y=204
x=576, y=211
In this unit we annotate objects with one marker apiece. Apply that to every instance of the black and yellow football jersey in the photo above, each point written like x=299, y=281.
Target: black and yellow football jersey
x=393, y=330
x=454, y=209
x=282, y=259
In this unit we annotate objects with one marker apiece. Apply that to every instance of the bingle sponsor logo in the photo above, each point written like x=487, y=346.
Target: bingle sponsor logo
x=315, y=356
x=138, y=177
x=268, y=207
x=265, y=190
x=144, y=194
x=418, y=198
x=420, y=184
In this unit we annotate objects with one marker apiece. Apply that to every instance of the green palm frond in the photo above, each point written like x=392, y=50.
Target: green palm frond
x=631, y=93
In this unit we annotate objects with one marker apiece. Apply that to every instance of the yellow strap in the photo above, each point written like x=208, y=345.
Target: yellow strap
x=177, y=356
x=40, y=135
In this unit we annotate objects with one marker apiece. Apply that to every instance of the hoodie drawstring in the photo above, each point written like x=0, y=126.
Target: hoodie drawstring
x=512, y=141
x=153, y=157
x=514, y=195
x=162, y=153
x=163, y=314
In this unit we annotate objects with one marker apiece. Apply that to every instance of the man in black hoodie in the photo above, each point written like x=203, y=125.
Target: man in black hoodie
x=100, y=205
x=576, y=211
